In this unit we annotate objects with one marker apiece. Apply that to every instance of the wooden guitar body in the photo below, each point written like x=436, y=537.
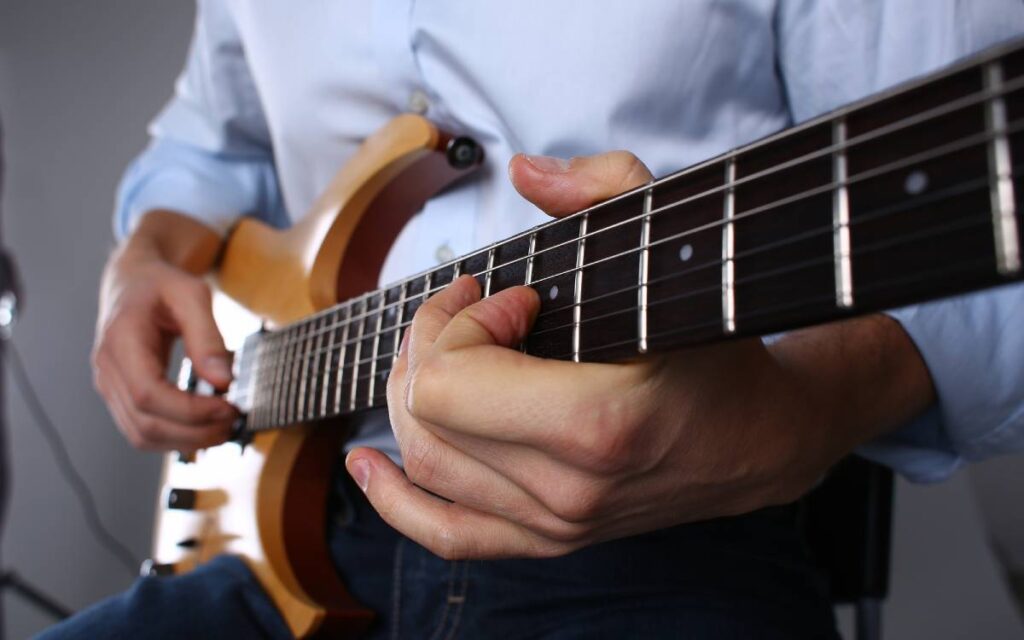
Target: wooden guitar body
x=265, y=500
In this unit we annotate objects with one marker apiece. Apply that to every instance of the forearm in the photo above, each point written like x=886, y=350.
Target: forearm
x=865, y=374
x=175, y=239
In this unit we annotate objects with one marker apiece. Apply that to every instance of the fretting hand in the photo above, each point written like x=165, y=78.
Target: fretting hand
x=506, y=454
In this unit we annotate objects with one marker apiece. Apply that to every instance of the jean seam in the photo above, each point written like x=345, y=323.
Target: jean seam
x=452, y=566
x=396, y=590
x=464, y=586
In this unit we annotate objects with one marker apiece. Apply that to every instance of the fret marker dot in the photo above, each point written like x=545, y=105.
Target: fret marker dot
x=686, y=252
x=553, y=292
x=916, y=183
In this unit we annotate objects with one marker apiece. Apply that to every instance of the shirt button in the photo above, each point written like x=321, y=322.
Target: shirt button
x=444, y=254
x=419, y=102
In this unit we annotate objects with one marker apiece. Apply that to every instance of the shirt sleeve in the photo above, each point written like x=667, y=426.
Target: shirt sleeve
x=210, y=153
x=832, y=52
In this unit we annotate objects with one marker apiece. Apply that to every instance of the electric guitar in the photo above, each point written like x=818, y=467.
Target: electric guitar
x=903, y=197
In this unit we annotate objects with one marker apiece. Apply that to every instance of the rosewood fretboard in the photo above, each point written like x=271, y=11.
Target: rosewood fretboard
x=906, y=196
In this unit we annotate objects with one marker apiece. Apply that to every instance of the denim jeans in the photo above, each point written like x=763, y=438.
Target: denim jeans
x=739, y=577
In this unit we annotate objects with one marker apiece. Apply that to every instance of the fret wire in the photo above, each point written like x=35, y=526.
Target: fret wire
x=489, y=271
x=355, y=359
x=341, y=357
x=865, y=217
x=376, y=346
x=924, y=116
x=296, y=365
x=578, y=293
x=325, y=386
x=841, y=219
x=285, y=349
x=300, y=400
x=1003, y=199
x=530, y=252
x=269, y=413
x=265, y=373
x=645, y=254
x=528, y=276
x=957, y=145
x=290, y=354
x=728, y=249
x=398, y=321
x=314, y=367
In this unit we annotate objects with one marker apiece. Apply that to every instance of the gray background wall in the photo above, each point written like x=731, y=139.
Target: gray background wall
x=78, y=82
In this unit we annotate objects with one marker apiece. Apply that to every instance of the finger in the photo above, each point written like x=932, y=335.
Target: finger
x=432, y=317
x=472, y=384
x=189, y=303
x=560, y=187
x=137, y=357
x=449, y=530
x=437, y=466
x=146, y=431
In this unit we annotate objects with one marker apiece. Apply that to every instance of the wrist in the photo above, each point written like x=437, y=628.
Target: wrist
x=170, y=238
x=865, y=377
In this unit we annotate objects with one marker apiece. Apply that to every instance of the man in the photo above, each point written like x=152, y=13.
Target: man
x=589, y=472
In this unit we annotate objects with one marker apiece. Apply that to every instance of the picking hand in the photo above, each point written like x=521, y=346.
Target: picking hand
x=146, y=302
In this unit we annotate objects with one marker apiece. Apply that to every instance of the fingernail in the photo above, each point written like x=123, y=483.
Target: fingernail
x=360, y=470
x=218, y=366
x=549, y=164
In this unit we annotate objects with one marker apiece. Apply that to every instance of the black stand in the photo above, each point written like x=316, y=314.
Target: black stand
x=10, y=295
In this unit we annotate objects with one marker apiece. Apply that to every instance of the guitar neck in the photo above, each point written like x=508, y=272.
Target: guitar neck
x=904, y=197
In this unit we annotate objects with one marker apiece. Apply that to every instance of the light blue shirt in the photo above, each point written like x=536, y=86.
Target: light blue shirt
x=275, y=96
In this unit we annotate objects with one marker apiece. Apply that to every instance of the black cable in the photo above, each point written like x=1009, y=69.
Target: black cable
x=67, y=468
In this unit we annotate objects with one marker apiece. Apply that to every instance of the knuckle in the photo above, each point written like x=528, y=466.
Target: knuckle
x=142, y=396
x=556, y=529
x=421, y=458
x=147, y=429
x=425, y=385
x=575, y=503
x=608, y=441
x=447, y=544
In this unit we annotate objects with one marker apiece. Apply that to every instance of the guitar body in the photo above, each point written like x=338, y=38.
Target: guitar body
x=265, y=501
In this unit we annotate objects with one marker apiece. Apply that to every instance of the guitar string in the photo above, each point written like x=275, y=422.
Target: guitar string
x=930, y=275
x=933, y=231
x=976, y=98
x=945, y=149
x=389, y=332
x=959, y=145
x=302, y=365
x=956, y=226
x=364, y=403
x=803, y=302
x=862, y=219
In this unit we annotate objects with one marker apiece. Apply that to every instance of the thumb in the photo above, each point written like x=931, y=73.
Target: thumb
x=190, y=305
x=561, y=187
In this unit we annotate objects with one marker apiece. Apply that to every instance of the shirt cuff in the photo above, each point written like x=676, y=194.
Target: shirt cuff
x=215, y=189
x=974, y=351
